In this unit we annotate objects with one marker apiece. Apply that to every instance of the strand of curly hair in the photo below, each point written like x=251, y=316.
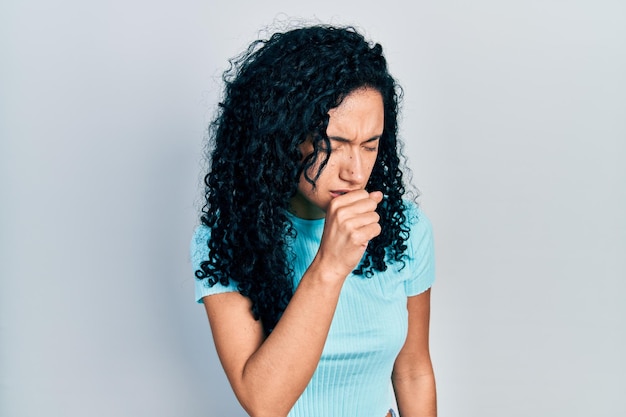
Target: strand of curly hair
x=277, y=95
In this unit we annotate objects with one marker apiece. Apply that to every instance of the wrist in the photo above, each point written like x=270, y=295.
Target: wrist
x=327, y=272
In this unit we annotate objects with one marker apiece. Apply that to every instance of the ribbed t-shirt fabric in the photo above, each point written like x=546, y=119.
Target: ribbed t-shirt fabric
x=369, y=326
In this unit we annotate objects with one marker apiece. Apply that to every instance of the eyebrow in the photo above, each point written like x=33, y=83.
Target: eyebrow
x=344, y=140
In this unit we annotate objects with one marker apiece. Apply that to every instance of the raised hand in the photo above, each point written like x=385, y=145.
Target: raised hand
x=351, y=222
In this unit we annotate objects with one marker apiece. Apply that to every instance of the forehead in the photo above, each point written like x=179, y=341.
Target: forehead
x=360, y=113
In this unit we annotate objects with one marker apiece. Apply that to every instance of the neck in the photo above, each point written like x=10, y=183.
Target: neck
x=300, y=207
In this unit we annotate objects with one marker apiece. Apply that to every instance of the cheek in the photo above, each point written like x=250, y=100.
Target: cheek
x=304, y=187
x=326, y=172
x=371, y=162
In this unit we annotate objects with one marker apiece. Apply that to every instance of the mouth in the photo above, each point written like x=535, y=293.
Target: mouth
x=337, y=193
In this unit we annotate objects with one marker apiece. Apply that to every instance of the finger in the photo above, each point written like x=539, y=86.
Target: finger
x=355, y=209
x=370, y=231
x=364, y=203
x=376, y=196
x=361, y=220
x=351, y=197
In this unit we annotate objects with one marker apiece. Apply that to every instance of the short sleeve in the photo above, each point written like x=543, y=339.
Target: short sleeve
x=199, y=250
x=420, y=250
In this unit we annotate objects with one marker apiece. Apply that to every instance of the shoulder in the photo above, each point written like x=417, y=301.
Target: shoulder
x=420, y=249
x=418, y=223
x=199, y=252
x=199, y=245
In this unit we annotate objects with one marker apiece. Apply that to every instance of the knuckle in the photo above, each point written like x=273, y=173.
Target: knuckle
x=373, y=230
x=341, y=214
x=357, y=238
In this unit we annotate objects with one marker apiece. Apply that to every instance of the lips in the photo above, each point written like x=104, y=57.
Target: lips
x=337, y=193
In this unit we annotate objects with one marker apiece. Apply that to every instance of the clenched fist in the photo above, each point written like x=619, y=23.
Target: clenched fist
x=351, y=222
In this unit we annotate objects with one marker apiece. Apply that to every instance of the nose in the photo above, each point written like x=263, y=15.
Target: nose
x=353, y=168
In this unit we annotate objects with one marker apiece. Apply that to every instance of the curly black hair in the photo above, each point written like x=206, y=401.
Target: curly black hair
x=277, y=95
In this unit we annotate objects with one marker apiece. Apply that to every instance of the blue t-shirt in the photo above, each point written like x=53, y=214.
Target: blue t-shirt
x=369, y=326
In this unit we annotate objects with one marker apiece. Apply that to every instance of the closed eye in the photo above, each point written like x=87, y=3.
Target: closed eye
x=371, y=145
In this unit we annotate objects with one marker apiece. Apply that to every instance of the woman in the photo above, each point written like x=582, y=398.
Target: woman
x=314, y=271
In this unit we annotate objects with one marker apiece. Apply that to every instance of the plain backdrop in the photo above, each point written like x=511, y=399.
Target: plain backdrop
x=514, y=121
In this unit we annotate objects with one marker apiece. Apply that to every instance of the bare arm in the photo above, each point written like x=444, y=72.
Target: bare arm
x=413, y=378
x=269, y=374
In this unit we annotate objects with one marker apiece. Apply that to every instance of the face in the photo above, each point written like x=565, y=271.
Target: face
x=354, y=130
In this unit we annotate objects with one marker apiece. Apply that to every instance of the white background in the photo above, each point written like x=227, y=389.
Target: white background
x=515, y=127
